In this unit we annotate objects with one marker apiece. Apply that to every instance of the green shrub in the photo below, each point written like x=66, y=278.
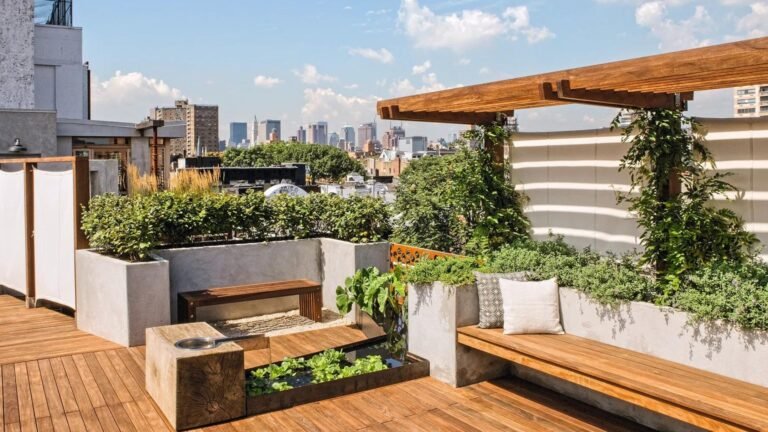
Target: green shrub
x=325, y=162
x=448, y=270
x=458, y=203
x=735, y=293
x=130, y=227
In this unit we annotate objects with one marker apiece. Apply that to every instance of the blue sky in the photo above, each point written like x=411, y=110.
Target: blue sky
x=309, y=60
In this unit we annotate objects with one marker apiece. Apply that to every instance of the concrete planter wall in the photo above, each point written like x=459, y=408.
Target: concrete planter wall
x=665, y=333
x=118, y=300
x=434, y=313
x=340, y=260
x=202, y=267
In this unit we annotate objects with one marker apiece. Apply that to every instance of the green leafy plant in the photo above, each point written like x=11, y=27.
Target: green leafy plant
x=459, y=203
x=131, y=227
x=330, y=365
x=325, y=162
x=448, y=270
x=681, y=231
x=383, y=297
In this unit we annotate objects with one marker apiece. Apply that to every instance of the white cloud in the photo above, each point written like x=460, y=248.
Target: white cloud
x=420, y=69
x=405, y=87
x=326, y=104
x=466, y=29
x=674, y=35
x=352, y=86
x=129, y=97
x=755, y=24
x=265, y=81
x=484, y=71
x=310, y=75
x=464, y=61
x=383, y=55
x=377, y=12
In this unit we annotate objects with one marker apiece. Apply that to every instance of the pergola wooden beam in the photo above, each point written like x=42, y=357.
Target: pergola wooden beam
x=562, y=91
x=393, y=112
x=642, y=82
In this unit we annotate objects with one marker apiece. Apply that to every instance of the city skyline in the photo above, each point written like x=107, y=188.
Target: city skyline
x=385, y=49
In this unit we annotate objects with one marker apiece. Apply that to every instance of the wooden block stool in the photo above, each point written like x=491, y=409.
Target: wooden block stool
x=194, y=388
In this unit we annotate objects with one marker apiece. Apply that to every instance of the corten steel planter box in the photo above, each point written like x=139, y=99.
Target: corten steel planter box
x=414, y=367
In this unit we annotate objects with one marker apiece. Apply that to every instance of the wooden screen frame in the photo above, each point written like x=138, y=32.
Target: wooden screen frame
x=81, y=194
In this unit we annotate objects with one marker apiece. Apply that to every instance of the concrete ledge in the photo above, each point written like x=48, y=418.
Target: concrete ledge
x=118, y=300
x=435, y=312
x=665, y=333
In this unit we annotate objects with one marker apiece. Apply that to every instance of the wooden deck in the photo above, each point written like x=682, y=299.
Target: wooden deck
x=97, y=387
x=34, y=334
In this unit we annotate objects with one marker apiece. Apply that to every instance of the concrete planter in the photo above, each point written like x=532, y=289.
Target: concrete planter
x=340, y=260
x=665, y=333
x=434, y=313
x=118, y=300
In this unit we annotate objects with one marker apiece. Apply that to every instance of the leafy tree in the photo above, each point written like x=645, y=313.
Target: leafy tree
x=459, y=203
x=325, y=162
x=681, y=232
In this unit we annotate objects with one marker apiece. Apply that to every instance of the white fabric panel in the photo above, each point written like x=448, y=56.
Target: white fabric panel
x=54, y=237
x=12, y=244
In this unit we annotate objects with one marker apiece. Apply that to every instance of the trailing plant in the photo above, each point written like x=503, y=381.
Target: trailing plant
x=681, y=231
x=383, y=297
x=459, y=203
x=448, y=270
x=131, y=227
x=325, y=162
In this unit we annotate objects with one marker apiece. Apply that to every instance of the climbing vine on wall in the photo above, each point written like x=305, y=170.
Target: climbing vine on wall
x=671, y=193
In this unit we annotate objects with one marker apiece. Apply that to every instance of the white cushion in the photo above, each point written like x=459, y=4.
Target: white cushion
x=531, y=307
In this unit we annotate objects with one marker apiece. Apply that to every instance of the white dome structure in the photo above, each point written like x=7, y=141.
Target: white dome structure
x=284, y=189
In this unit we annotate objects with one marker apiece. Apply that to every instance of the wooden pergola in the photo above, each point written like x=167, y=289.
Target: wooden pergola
x=660, y=81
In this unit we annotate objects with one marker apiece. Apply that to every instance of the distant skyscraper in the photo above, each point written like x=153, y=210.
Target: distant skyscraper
x=366, y=131
x=348, y=133
x=390, y=137
x=317, y=133
x=253, y=131
x=238, y=133
x=266, y=127
x=301, y=135
x=333, y=139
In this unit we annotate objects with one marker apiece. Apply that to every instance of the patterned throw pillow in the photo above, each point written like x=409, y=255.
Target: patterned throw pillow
x=489, y=295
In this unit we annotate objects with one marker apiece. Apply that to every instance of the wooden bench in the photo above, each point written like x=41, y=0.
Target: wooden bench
x=309, y=292
x=694, y=396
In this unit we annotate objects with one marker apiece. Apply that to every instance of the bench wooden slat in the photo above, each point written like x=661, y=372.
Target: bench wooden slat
x=690, y=394
x=309, y=292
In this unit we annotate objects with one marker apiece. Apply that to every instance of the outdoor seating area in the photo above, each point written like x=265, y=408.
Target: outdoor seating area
x=102, y=388
x=605, y=279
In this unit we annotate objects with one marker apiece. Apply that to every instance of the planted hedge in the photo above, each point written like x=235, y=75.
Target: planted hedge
x=131, y=227
x=735, y=293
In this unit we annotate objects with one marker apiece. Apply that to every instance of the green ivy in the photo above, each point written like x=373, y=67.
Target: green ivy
x=683, y=232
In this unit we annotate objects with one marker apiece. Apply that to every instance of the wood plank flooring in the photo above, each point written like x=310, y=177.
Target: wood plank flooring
x=97, y=387
x=33, y=334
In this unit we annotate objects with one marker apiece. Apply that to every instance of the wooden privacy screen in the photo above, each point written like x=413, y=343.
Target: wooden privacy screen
x=408, y=255
x=81, y=194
